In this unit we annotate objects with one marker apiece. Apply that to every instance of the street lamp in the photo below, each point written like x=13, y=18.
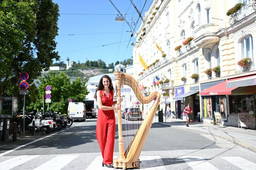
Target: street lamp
x=119, y=18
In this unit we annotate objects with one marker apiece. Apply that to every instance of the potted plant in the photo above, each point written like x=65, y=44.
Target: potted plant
x=208, y=72
x=233, y=10
x=188, y=40
x=177, y=48
x=245, y=62
x=160, y=82
x=163, y=55
x=165, y=94
x=183, y=79
x=157, y=60
x=194, y=76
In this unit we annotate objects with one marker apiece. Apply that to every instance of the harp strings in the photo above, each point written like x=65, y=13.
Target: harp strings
x=132, y=128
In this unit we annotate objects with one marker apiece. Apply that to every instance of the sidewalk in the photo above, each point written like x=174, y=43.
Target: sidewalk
x=240, y=136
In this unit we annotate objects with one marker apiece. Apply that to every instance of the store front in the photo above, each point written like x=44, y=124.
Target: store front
x=235, y=105
x=182, y=99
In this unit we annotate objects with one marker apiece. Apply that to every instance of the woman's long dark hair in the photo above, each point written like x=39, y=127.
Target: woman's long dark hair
x=101, y=87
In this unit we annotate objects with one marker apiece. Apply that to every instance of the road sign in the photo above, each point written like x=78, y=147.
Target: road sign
x=48, y=92
x=23, y=92
x=24, y=85
x=24, y=76
x=48, y=100
x=70, y=100
x=48, y=96
x=48, y=88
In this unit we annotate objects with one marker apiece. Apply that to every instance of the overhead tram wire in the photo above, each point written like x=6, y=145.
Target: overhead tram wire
x=140, y=16
x=138, y=10
x=121, y=15
x=103, y=45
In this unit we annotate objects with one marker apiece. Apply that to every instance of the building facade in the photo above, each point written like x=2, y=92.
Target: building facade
x=200, y=52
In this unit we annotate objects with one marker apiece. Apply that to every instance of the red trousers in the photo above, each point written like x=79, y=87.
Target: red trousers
x=105, y=133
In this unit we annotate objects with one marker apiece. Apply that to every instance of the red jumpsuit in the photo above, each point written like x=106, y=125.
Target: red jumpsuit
x=105, y=129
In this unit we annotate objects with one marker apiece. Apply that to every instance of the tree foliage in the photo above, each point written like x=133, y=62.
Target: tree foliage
x=27, y=40
x=61, y=91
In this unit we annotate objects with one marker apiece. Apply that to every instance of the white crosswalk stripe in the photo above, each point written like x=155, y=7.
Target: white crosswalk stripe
x=198, y=163
x=79, y=161
x=241, y=163
x=19, y=160
x=57, y=162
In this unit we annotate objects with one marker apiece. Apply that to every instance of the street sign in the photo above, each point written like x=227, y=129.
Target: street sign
x=24, y=76
x=70, y=100
x=48, y=92
x=48, y=100
x=48, y=96
x=23, y=92
x=48, y=88
x=24, y=85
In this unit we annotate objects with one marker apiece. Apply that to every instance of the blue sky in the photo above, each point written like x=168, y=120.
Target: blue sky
x=88, y=30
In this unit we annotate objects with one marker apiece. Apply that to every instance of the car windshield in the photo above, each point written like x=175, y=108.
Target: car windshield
x=135, y=110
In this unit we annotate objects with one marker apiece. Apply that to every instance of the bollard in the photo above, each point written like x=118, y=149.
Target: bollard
x=160, y=116
x=14, y=137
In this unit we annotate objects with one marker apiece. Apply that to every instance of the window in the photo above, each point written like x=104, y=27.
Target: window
x=246, y=2
x=168, y=46
x=198, y=14
x=170, y=74
x=182, y=34
x=196, y=68
x=192, y=27
x=184, y=70
x=247, y=47
x=209, y=59
x=208, y=15
x=218, y=56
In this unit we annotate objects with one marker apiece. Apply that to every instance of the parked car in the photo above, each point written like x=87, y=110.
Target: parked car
x=132, y=114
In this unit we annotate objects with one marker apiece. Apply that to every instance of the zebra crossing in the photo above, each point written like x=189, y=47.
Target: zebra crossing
x=93, y=162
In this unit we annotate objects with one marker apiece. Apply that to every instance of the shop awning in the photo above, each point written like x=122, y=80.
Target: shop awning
x=185, y=95
x=219, y=89
x=242, y=81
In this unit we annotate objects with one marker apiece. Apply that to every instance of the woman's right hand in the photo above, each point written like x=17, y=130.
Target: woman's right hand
x=117, y=106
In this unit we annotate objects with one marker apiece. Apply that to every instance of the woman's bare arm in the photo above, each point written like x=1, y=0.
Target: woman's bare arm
x=101, y=106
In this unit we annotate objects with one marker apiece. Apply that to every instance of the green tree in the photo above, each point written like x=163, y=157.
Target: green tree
x=61, y=91
x=27, y=40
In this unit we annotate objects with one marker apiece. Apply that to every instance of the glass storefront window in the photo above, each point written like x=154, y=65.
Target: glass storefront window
x=241, y=103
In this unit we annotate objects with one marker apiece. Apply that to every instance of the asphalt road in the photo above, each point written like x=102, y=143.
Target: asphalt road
x=167, y=147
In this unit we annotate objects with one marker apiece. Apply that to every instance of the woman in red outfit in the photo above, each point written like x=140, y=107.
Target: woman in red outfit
x=105, y=129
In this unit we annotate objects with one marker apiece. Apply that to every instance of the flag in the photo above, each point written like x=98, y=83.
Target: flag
x=163, y=78
x=158, y=47
x=142, y=62
x=156, y=80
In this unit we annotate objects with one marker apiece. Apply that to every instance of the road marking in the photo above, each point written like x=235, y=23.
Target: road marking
x=7, y=152
x=11, y=163
x=57, y=162
x=240, y=162
x=198, y=163
x=147, y=162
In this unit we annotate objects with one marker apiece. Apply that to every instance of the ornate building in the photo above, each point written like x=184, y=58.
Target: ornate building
x=195, y=51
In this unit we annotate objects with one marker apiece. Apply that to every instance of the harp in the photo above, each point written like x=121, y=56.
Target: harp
x=130, y=158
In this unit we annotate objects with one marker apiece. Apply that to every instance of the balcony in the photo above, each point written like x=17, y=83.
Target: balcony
x=205, y=36
x=241, y=14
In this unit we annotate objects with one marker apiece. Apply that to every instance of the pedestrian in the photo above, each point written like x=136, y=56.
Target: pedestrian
x=187, y=111
x=168, y=112
x=105, y=128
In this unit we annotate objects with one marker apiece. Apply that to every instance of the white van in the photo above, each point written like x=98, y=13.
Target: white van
x=77, y=111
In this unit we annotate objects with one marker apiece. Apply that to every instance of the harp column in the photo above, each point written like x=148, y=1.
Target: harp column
x=121, y=157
